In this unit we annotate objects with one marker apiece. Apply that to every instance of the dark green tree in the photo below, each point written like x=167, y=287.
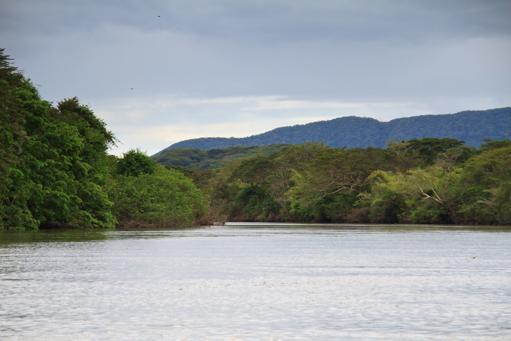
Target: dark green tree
x=163, y=198
x=53, y=165
x=135, y=163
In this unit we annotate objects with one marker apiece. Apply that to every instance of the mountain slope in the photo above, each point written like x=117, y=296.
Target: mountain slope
x=473, y=127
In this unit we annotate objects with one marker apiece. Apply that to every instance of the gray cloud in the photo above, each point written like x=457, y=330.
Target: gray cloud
x=269, y=21
x=420, y=56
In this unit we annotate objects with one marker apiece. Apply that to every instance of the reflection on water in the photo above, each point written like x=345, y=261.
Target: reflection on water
x=50, y=236
x=258, y=282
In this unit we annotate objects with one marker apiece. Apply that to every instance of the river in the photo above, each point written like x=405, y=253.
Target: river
x=258, y=282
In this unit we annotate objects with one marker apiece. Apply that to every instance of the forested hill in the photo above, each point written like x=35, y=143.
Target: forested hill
x=473, y=127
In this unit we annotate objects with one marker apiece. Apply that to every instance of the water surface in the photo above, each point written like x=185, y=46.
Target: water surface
x=258, y=282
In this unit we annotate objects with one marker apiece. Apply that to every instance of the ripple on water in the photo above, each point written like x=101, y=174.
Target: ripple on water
x=260, y=283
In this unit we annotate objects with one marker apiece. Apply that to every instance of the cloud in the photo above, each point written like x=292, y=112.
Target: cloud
x=279, y=21
x=231, y=67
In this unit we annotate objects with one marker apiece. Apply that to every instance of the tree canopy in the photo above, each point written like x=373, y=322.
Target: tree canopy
x=418, y=181
x=55, y=171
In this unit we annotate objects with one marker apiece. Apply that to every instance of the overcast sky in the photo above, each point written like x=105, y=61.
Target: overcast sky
x=162, y=71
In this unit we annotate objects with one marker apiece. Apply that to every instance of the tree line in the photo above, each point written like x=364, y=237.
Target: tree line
x=55, y=172
x=422, y=181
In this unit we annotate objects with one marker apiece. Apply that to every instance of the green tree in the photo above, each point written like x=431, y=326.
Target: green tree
x=421, y=152
x=327, y=190
x=163, y=198
x=135, y=163
x=488, y=177
x=52, y=160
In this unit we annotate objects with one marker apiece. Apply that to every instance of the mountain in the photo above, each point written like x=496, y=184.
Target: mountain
x=473, y=127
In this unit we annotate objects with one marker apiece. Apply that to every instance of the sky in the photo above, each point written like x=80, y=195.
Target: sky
x=158, y=72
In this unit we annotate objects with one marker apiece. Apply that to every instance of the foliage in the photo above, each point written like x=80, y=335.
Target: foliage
x=488, y=177
x=163, y=198
x=492, y=144
x=420, y=181
x=425, y=152
x=327, y=190
x=53, y=160
x=210, y=159
x=55, y=172
x=417, y=196
x=135, y=163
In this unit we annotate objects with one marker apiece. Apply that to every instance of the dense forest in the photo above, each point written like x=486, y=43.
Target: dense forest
x=55, y=172
x=423, y=181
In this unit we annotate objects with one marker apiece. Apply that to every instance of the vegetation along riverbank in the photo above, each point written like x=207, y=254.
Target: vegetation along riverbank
x=55, y=172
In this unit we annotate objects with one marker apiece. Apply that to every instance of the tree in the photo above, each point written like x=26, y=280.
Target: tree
x=53, y=163
x=163, y=198
x=327, y=190
x=488, y=177
x=135, y=163
x=420, y=152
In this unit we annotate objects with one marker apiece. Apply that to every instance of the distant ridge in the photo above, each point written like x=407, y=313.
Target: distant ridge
x=473, y=127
